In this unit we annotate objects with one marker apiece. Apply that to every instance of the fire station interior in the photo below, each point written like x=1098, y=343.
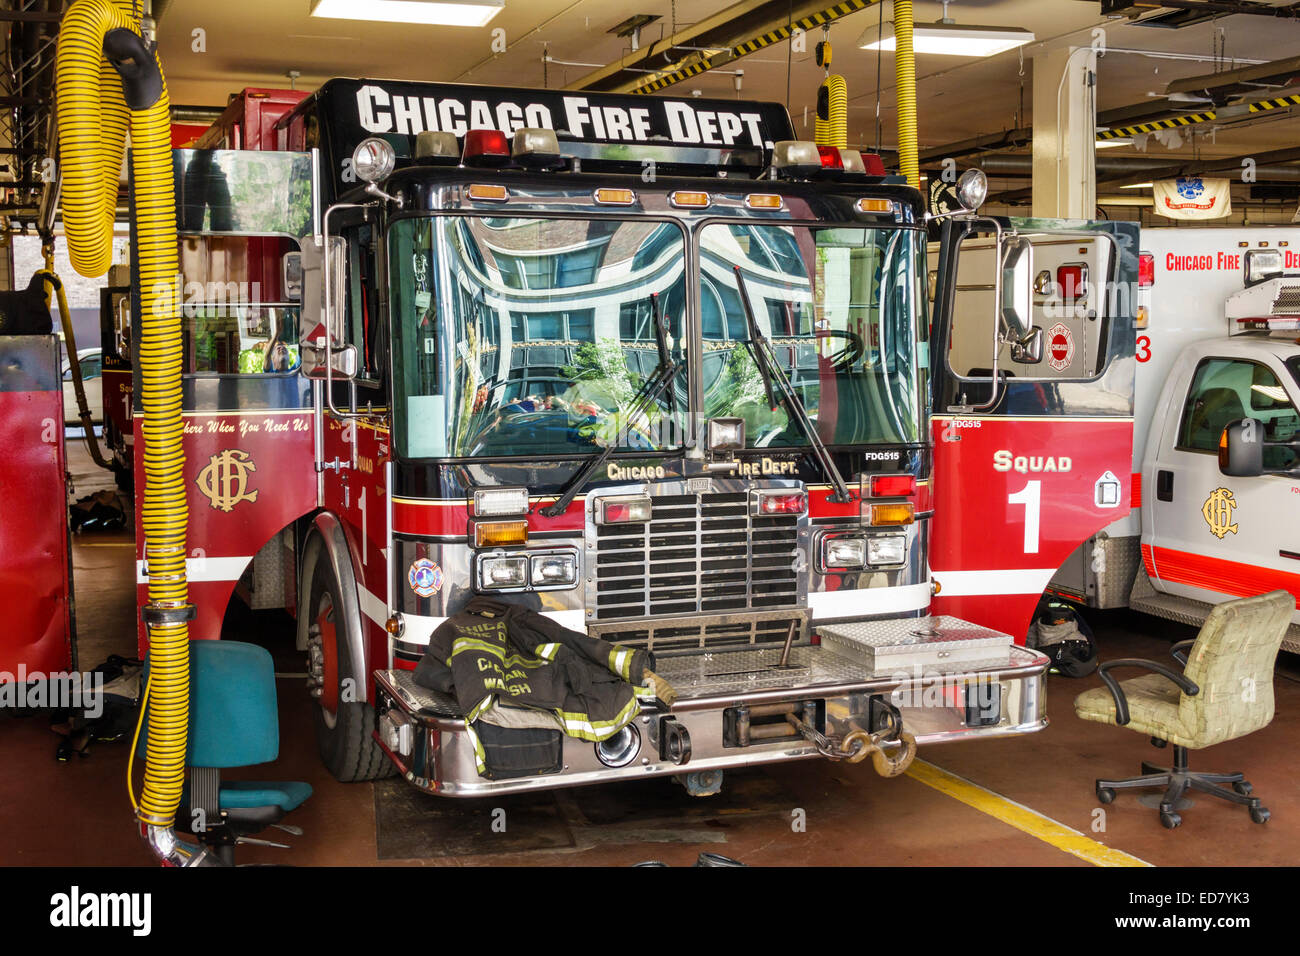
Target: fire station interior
x=749, y=433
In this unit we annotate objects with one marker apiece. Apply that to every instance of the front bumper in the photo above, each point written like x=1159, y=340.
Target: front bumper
x=959, y=701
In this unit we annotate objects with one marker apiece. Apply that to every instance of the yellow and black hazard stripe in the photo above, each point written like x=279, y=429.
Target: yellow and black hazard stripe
x=1191, y=119
x=754, y=44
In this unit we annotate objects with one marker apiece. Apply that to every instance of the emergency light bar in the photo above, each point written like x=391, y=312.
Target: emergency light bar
x=486, y=147
x=536, y=148
x=432, y=144
x=1269, y=323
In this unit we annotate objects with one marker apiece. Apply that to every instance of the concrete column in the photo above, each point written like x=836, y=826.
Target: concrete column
x=1065, y=125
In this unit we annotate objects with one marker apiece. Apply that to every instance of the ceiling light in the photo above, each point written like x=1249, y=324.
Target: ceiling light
x=451, y=13
x=1138, y=186
x=953, y=39
x=1112, y=143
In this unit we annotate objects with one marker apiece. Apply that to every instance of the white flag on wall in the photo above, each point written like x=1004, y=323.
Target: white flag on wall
x=1193, y=197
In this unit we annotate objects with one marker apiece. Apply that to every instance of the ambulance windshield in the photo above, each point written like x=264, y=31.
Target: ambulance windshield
x=517, y=336
x=843, y=311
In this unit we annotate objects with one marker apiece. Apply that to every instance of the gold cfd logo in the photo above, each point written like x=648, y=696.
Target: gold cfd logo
x=1217, y=512
x=225, y=479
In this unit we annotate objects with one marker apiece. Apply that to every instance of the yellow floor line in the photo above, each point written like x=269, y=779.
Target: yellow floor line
x=1021, y=817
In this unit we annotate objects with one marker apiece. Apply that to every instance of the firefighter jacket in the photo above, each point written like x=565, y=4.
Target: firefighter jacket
x=497, y=653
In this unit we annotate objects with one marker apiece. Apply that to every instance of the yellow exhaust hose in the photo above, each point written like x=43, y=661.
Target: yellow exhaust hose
x=99, y=96
x=834, y=129
x=905, y=82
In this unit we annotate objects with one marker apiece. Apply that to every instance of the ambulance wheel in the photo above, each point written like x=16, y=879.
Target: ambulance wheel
x=343, y=733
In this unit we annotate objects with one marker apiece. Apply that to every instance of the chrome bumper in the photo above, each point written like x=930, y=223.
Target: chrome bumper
x=839, y=694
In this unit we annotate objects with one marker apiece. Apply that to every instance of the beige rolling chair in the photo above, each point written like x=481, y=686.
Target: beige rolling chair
x=1224, y=691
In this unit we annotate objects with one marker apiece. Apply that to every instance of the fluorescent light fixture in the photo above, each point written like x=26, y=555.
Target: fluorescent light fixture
x=1117, y=141
x=1138, y=186
x=449, y=13
x=953, y=39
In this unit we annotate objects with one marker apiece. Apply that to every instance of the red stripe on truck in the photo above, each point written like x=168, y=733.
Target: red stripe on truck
x=1217, y=574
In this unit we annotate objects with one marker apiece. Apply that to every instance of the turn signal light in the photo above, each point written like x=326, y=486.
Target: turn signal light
x=488, y=192
x=615, y=197
x=892, y=486
x=875, y=205
x=1141, y=317
x=893, y=514
x=492, y=534
x=763, y=201
x=691, y=200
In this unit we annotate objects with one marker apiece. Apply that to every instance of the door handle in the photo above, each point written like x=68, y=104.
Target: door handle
x=1165, y=485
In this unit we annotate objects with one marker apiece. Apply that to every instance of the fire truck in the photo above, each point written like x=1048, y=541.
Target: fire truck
x=658, y=370
x=1216, y=343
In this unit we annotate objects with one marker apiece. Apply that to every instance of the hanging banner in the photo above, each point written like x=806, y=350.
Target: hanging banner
x=1193, y=197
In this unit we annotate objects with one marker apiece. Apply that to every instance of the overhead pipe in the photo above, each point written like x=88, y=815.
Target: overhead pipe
x=109, y=81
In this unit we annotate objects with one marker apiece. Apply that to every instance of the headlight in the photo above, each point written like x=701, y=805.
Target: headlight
x=886, y=549
x=503, y=572
x=495, y=502
x=726, y=434
x=844, y=552
x=373, y=159
x=554, y=570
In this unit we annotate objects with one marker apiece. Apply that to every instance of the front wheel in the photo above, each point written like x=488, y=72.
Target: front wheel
x=343, y=723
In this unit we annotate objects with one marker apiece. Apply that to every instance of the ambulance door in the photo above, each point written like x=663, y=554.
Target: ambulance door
x=1205, y=535
x=1032, y=406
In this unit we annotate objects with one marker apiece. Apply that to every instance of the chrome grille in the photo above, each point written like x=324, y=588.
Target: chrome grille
x=726, y=631
x=701, y=553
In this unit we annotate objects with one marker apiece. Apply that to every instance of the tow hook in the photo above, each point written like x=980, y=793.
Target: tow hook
x=674, y=741
x=856, y=746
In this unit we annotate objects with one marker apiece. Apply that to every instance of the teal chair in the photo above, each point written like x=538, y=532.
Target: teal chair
x=234, y=723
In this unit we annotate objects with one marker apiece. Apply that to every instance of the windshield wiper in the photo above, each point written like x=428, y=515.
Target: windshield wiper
x=771, y=371
x=664, y=375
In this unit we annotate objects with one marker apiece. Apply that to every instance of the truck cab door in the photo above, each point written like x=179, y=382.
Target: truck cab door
x=1032, y=370
x=1207, y=536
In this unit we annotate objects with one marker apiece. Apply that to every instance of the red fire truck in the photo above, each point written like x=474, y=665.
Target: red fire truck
x=655, y=369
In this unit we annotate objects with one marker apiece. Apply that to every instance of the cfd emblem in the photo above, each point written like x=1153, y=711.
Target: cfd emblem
x=1217, y=512
x=225, y=479
x=424, y=577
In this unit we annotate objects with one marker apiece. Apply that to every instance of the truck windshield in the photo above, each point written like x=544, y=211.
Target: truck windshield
x=517, y=336
x=842, y=308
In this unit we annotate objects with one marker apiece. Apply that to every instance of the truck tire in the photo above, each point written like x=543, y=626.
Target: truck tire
x=343, y=738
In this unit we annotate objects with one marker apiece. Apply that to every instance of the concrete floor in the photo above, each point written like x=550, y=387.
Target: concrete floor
x=77, y=812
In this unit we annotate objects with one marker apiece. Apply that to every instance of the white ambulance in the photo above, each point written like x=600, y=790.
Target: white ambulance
x=1218, y=341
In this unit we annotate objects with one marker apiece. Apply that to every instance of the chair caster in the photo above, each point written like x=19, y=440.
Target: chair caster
x=1157, y=742
x=1243, y=787
x=1105, y=794
x=1259, y=814
x=1169, y=820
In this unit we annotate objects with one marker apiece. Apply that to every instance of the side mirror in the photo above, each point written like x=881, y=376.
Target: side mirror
x=343, y=361
x=316, y=319
x=1017, y=288
x=1241, y=451
x=1029, y=350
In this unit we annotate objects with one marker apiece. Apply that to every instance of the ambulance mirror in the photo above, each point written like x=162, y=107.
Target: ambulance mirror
x=1029, y=350
x=291, y=276
x=1018, y=287
x=343, y=362
x=1241, y=449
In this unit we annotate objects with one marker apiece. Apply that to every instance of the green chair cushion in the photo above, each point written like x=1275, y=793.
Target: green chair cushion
x=245, y=794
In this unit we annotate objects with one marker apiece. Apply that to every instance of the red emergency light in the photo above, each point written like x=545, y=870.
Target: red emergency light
x=831, y=158
x=1146, y=270
x=486, y=147
x=875, y=165
x=780, y=503
x=1072, y=280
